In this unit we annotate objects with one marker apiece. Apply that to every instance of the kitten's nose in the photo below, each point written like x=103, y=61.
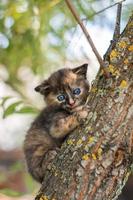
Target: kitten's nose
x=71, y=102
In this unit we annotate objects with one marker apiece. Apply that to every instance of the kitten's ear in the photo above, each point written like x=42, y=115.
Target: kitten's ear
x=81, y=70
x=43, y=88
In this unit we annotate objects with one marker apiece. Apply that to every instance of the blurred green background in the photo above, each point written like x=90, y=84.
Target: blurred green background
x=36, y=38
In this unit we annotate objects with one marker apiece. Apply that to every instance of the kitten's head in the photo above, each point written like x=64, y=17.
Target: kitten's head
x=67, y=88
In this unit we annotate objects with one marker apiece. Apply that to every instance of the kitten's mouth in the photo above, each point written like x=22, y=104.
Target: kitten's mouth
x=74, y=108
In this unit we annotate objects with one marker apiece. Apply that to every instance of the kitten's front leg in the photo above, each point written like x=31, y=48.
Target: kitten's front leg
x=62, y=127
x=82, y=113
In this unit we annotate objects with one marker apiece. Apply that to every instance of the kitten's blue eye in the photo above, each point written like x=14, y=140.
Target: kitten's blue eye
x=77, y=91
x=61, y=97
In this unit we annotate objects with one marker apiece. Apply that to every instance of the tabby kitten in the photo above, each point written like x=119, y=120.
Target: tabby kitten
x=65, y=93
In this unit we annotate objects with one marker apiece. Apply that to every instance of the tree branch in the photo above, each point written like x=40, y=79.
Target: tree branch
x=116, y=34
x=118, y=22
x=95, y=161
x=100, y=11
x=88, y=37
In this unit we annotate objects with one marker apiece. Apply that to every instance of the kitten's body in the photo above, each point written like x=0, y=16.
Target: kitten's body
x=58, y=119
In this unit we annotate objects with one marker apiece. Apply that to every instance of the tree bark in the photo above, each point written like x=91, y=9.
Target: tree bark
x=95, y=161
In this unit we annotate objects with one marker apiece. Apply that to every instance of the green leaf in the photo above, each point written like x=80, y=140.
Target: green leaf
x=27, y=110
x=4, y=99
x=10, y=192
x=11, y=109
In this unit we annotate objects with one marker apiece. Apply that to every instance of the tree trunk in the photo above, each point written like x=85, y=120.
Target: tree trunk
x=95, y=161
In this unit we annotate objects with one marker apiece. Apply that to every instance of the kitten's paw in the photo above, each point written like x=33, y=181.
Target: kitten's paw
x=82, y=114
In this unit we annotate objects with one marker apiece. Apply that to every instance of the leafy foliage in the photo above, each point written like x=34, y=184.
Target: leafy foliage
x=17, y=107
x=34, y=34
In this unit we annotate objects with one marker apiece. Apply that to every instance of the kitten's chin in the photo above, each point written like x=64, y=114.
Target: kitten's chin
x=74, y=109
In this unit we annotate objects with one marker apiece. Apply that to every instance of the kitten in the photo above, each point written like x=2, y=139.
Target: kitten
x=65, y=93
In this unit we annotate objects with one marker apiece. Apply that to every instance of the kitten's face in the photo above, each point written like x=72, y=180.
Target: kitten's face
x=67, y=88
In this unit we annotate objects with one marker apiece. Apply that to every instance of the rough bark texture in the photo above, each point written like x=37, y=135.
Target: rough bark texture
x=95, y=161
